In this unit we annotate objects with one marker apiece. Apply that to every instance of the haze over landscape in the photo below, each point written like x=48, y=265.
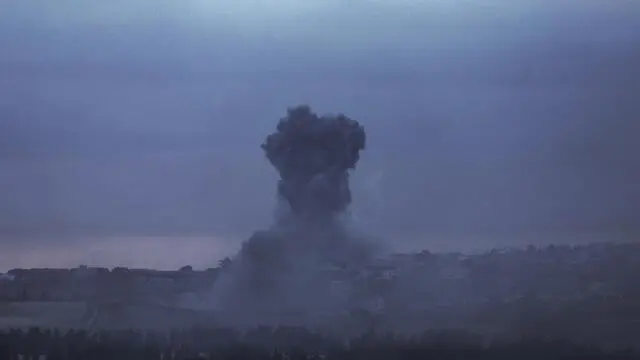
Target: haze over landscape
x=130, y=132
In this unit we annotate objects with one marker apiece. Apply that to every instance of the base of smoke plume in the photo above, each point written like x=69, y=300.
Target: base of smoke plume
x=284, y=273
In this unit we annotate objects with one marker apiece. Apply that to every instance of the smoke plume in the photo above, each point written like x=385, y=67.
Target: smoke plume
x=313, y=155
x=282, y=266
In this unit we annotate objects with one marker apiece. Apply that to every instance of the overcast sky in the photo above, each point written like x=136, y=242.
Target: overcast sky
x=139, y=122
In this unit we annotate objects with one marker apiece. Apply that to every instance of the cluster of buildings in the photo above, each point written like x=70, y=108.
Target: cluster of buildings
x=401, y=281
x=100, y=284
x=425, y=281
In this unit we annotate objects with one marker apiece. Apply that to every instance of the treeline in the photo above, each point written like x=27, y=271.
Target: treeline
x=286, y=343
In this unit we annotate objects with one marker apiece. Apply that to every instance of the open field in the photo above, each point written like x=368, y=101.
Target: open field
x=40, y=313
x=103, y=316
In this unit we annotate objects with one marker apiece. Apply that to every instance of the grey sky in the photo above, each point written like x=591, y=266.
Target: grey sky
x=144, y=118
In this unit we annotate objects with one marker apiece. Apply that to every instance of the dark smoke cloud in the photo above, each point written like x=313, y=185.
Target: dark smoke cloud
x=313, y=155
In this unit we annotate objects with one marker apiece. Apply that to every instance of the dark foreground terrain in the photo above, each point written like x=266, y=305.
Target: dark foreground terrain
x=283, y=343
x=587, y=296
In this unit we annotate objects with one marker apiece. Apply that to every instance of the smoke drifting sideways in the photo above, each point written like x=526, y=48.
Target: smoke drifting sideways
x=279, y=270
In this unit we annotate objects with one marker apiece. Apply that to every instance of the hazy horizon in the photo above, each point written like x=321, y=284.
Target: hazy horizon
x=201, y=252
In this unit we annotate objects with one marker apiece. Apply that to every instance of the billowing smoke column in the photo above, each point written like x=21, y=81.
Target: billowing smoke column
x=277, y=271
x=313, y=155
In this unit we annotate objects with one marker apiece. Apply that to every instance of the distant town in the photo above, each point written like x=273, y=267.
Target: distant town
x=400, y=280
